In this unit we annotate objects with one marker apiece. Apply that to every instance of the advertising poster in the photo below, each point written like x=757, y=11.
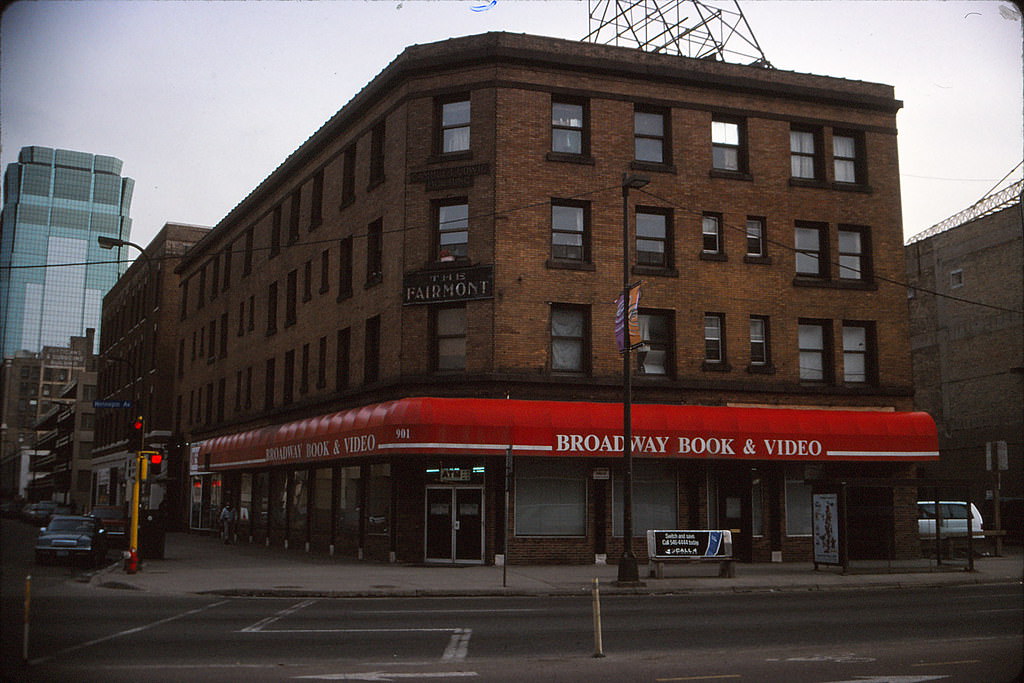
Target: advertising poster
x=826, y=528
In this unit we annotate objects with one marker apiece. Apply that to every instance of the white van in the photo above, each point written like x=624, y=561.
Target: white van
x=954, y=519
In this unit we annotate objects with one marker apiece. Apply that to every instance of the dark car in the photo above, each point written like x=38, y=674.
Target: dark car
x=72, y=537
x=38, y=513
x=115, y=523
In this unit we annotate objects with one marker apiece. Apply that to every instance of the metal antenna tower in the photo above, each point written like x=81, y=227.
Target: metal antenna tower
x=688, y=28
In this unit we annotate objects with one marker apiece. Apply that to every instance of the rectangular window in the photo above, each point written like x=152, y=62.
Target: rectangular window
x=570, y=237
x=275, y=232
x=214, y=277
x=956, y=278
x=654, y=237
x=304, y=371
x=371, y=350
x=252, y=313
x=655, y=499
x=551, y=498
x=854, y=251
x=269, y=382
x=811, y=241
x=316, y=205
x=223, y=335
x=238, y=391
x=569, y=127
x=714, y=338
x=348, y=175
x=858, y=353
x=241, y=318
x=655, y=355
x=814, y=344
x=846, y=157
x=183, y=311
x=341, y=360
x=759, y=347
x=345, y=269
x=272, y=308
x=798, y=503
x=711, y=231
x=325, y=271
x=756, y=237
x=375, y=252
x=201, y=298
x=650, y=136
x=321, y=372
x=452, y=229
x=291, y=293
x=222, y=387
x=453, y=124
x=247, y=256
x=803, y=154
x=227, y=266
x=377, y=154
x=449, y=337
x=570, y=338
x=727, y=153
x=293, y=216
x=288, y=385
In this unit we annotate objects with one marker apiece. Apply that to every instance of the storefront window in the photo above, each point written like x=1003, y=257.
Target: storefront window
x=378, y=499
x=654, y=499
x=300, y=505
x=245, y=502
x=260, y=501
x=278, y=500
x=348, y=499
x=551, y=498
x=322, y=501
x=798, y=504
x=756, y=512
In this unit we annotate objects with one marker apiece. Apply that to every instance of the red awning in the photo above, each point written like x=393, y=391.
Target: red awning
x=454, y=426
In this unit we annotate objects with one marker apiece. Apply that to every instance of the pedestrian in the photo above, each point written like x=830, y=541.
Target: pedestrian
x=227, y=522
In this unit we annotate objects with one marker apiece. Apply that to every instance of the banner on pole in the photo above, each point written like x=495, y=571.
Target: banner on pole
x=627, y=320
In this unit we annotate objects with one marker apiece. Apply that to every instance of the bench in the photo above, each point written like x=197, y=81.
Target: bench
x=683, y=545
x=726, y=566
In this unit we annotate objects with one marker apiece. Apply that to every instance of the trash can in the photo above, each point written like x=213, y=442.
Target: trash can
x=152, y=534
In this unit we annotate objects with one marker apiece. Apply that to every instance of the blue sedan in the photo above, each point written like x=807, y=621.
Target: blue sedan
x=72, y=537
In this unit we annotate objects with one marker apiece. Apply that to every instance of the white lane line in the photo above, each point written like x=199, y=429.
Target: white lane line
x=127, y=632
x=458, y=645
x=258, y=626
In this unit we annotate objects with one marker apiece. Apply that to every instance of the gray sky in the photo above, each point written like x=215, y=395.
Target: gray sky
x=203, y=99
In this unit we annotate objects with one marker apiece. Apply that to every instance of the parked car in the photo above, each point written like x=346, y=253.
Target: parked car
x=72, y=537
x=38, y=513
x=11, y=509
x=954, y=519
x=115, y=523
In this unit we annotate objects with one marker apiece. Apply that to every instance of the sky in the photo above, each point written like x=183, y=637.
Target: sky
x=203, y=99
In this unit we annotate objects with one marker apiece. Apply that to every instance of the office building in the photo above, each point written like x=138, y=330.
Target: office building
x=53, y=275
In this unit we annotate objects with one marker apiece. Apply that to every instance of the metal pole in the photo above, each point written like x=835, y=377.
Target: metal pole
x=628, y=570
x=508, y=526
x=598, y=642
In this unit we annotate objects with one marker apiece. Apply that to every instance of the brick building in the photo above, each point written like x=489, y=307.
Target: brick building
x=967, y=337
x=431, y=278
x=138, y=343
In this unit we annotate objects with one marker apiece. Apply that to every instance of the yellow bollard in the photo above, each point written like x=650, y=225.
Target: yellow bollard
x=598, y=645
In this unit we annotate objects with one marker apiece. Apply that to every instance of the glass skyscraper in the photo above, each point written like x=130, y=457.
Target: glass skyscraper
x=53, y=273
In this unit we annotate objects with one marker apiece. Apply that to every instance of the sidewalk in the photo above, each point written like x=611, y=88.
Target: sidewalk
x=203, y=564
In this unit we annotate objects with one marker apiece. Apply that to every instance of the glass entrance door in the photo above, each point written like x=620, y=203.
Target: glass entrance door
x=454, y=525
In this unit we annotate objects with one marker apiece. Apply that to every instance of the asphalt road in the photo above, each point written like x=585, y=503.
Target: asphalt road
x=82, y=633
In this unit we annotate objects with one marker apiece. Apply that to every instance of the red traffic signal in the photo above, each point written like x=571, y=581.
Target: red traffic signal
x=137, y=424
x=156, y=458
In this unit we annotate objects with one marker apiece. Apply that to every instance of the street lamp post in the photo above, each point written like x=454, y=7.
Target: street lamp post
x=628, y=570
x=131, y=563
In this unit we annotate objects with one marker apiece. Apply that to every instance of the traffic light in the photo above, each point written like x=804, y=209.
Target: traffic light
x=150, y=462
x=137, y=424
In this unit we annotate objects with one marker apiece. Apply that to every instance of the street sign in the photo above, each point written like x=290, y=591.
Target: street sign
x=111, y=404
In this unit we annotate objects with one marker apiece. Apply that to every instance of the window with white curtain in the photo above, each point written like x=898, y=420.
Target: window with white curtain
x=455, y=118
x=844, y=156
x=569, y=338
x=551, y=497
x=802, y=154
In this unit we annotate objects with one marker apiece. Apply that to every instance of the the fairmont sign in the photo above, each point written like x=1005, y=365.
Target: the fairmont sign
x=449, y=285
